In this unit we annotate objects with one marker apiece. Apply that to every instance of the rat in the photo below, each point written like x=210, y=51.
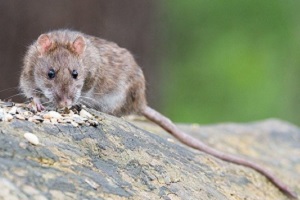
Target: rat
x=65, y=68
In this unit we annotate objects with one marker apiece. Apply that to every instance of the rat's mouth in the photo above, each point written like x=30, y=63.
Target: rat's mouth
x=65, y=102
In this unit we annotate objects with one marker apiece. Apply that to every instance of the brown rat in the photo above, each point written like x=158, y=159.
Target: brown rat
x=67, y=67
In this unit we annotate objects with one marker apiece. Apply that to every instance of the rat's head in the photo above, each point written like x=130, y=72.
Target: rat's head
x=59, y=71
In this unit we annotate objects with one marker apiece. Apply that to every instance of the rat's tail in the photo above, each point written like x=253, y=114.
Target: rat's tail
x=169, y=126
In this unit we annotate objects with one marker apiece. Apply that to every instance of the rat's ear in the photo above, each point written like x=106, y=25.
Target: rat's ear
x=79, y=45
x=44, y=43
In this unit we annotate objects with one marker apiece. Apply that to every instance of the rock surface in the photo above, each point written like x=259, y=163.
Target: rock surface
x=117, y=160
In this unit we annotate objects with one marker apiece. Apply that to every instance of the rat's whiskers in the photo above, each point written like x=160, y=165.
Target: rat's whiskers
x=88, y=98
x=7, y=89
x=22, y=93
x=85, y=103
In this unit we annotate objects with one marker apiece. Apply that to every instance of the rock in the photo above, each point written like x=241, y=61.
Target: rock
x=117, y=160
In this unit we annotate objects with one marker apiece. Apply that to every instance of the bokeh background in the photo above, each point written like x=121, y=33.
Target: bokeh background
x=204, y=61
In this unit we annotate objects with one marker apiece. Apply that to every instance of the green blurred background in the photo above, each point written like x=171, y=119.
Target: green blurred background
x=204, y=61
x=232, y=61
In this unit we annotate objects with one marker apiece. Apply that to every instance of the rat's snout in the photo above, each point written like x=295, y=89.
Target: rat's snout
x=64, y=102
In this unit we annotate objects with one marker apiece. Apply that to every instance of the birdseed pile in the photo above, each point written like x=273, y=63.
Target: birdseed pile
x=75, y=116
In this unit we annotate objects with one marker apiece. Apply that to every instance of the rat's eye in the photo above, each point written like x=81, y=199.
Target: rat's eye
x=51, y=73
x=74, y=74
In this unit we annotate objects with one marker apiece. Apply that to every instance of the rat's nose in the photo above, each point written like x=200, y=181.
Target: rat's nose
x=65, y=102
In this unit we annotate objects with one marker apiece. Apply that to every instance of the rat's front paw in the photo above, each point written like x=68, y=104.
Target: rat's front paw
x=39, y=107
x=36, y=105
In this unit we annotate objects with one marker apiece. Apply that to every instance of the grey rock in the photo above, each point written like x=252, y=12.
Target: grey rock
x=118, y=160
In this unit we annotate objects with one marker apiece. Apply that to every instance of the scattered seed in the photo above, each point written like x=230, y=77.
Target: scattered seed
x=20, y=110
x=92, y=183
x=2, y=114
x=23, y=145
x=53, y=120
x=74, y=124
x=7, y=117
x=76, y=108
x=21, y=117
x=13, y=110
x=27, y=114
x=68, y=120
x=93, y=123
x=85, y=114
x=171, y=140
x=47, y=121
x=38, y=118
x=71, y=113
x=75, y=116
x=62, y=120
x=52, y=114
x=8, y=104
x=78, y=119
x=33, y=139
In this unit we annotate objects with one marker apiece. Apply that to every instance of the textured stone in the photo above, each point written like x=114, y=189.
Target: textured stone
x=117, y=160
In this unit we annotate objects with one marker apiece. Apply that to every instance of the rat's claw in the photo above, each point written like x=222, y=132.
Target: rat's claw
x=36, y=105
x=39, y=107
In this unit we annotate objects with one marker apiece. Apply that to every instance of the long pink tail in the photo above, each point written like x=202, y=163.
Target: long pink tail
x=169, y=126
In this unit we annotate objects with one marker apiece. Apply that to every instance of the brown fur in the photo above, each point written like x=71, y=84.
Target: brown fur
x=103, y=68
